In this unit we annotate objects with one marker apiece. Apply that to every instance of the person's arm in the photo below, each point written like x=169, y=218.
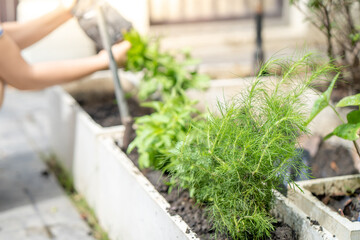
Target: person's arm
x=15, y=71
x=26, y=33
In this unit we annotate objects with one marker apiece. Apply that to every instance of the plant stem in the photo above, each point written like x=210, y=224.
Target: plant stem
x=328, y=32
x=354, y=142
x=337, y=113
x=357, y=148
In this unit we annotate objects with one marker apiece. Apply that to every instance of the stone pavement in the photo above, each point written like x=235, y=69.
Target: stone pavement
x=32, y=204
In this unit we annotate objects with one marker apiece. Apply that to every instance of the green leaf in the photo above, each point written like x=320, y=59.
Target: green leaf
x=347, y=131
x=160, y=118
x=349, y=101
x=323, y=101
x=144, y=160
x=353, y=117
x=167, y=140
x=154, y=104
x=328, y=136
x=131, y=147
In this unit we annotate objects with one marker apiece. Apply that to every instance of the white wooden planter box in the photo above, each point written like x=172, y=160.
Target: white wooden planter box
x=126, y=203
x=74, y=133
x=289, y=213
x=339, y=226
x=63, y=110
x=74, y=141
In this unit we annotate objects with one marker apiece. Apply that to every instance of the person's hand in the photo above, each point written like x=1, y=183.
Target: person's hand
x=69, y=4
x=78, y=7
x=119, y=51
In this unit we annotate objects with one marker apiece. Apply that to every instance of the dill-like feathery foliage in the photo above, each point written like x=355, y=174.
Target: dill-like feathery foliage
x=234, y=161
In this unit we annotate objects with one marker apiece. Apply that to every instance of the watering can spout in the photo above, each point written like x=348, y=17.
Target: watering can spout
x=86, y=14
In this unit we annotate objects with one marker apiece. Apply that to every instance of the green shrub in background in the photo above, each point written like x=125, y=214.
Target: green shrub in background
x=339, y=21
x=163, y=72
x=234, y=161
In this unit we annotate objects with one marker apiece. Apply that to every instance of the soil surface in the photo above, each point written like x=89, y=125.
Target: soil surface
x=346, y=204
x=104, y=110
x=331, y=161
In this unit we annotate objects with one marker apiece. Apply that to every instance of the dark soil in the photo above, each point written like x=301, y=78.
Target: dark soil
x=331, y=161
x=346, y=204
x=104, y=111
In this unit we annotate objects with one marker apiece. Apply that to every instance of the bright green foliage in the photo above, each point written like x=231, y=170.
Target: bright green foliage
x=349, y=130
x=346, y=131
x=166, y=77
x=164, y=72
x=234, y=161
x=353, y=117
x=323, y=101
x=159, y=132
x=349, y=101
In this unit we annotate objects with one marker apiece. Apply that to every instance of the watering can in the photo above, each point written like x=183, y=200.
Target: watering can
x=105, y=26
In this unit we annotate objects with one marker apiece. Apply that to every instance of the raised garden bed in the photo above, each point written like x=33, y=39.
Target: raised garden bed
x=122, y=197
x=74, y=135
x=339, y=226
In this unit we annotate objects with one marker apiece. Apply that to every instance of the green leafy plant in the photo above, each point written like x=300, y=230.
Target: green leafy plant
x=339, y=21
x=166, y=76
x=234, y=161
x=163, y=72
x=349, y=129
x=158, y=133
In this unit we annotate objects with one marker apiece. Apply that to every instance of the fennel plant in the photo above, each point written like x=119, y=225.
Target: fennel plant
x=234, y=161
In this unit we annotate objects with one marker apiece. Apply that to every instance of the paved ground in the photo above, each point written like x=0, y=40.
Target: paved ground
x=32, y=205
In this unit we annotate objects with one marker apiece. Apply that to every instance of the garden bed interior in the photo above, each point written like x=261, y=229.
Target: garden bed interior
x=340, y=226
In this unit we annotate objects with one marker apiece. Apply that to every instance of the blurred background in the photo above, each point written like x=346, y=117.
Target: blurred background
x=228, y=36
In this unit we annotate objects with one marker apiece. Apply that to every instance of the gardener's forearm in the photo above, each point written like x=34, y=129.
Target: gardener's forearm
x=27, y=33
x=15, y=71
x=51, y=73
x=42, y=75
x=47, y=74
